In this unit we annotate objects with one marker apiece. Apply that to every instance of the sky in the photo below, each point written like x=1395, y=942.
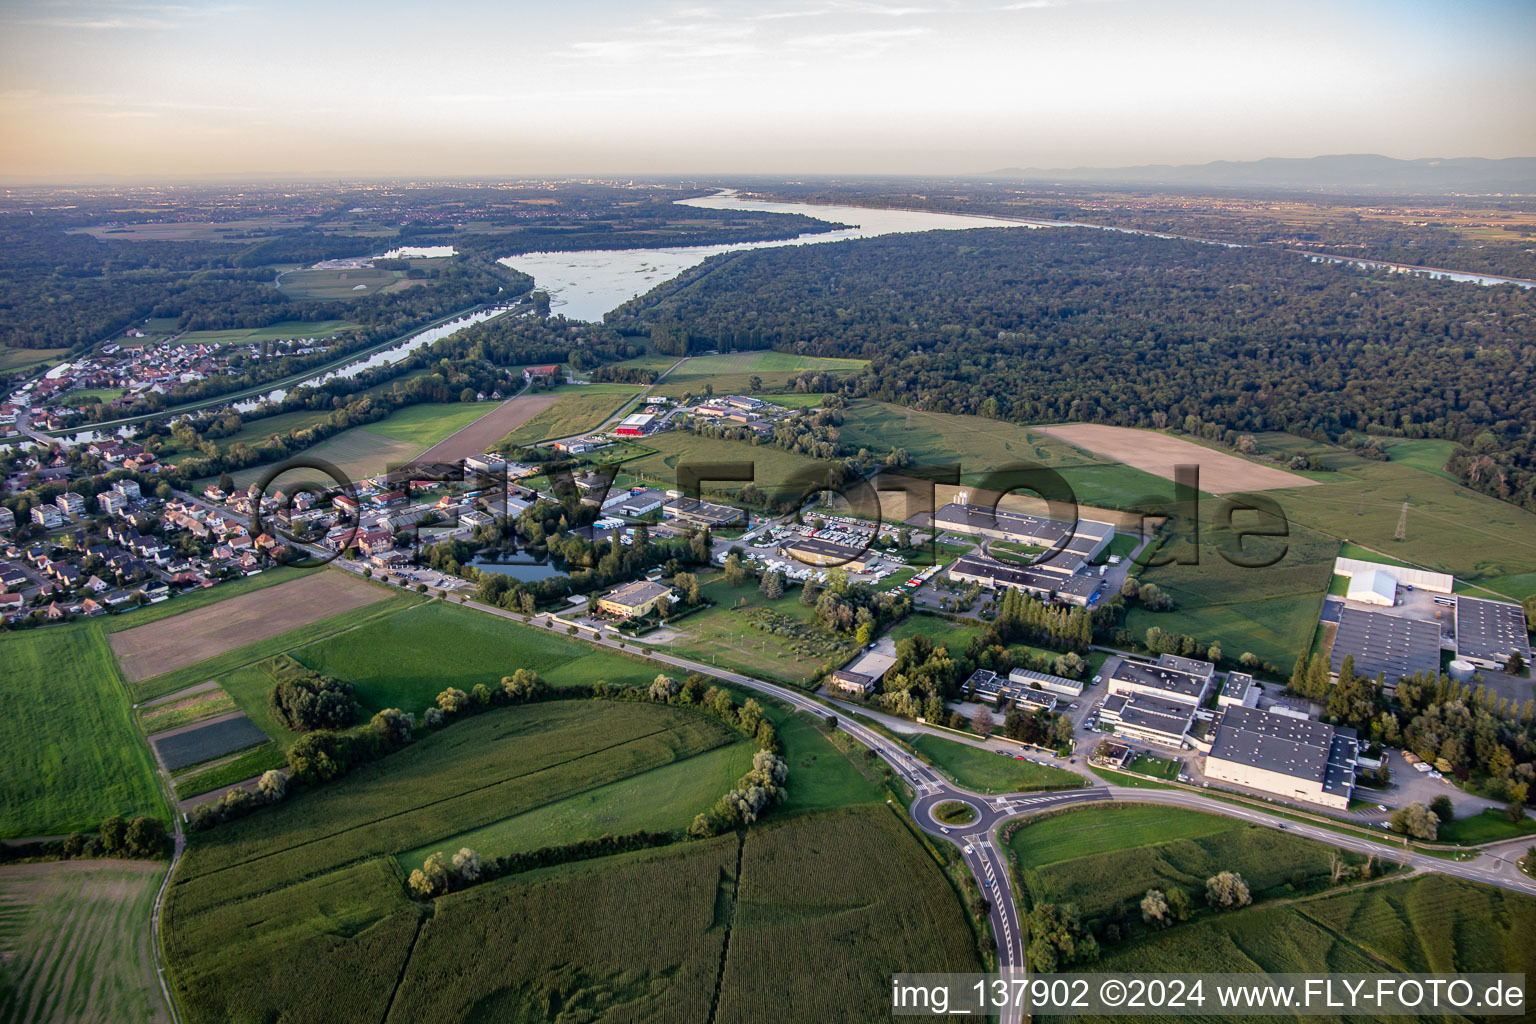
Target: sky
x=103, y=89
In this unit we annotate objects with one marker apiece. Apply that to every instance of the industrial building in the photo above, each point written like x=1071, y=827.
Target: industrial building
x=1400, y=575
x=1290, y=757
x=1393, y=645
x=1148, y=719
x=1154, y=703
x=1063, y=575
x=868, y=670
x=1374, y=586
x=632, y=599
x=1488, y=632
x=987, y=687
x=815, y=551
x=1239, y=689
x=1056, y=684
x=694, y=512
x=1079, y=590
x=636, y=425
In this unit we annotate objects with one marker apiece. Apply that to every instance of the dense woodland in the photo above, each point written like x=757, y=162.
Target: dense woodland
x=1046, y=325
x=1412, y=229
x=65, y=288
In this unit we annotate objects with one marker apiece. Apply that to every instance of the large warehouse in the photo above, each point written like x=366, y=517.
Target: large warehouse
x=1295, y=758
x=1488, y=632
x=1393, y=645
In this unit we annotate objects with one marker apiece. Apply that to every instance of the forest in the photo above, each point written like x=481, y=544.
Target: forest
x=1075, y=324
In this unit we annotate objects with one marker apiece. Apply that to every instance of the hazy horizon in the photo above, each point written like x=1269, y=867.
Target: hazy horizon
x=121, y=92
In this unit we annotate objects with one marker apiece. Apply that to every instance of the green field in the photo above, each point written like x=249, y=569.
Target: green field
x=573, y=412
x=773, y=467
x=285, y=331
x=1427, y=455
x=179, y=679
x=404, y=660
x=1270, y=611
x=1426, y=924
x=732, y=373
x=83, y=394
x=75, y=942
x=663, y=799
x=70, y=754
x=350, y=283
x=725, y=635
x=246, y=765
x=22, y=358
x=429, y=422
x=1490, y=826
x=980, y=445
x=312, y=888
x=1101, y=857
x=986, y=772
x=174, y=714
x=359, y=453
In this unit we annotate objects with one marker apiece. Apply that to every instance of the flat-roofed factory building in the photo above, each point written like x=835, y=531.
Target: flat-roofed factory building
x=1488, y=632
x=818, y=552
x=1392, y=645
x=1291, y=757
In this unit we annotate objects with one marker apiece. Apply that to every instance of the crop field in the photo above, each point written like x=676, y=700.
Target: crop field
x=732, y=373
x=407, y=659
x=223, y=664
x=1117, y=854
x=22, y=358
x=482, y=433
x=348, y=283
x=806, y=925
x=84, y=394
x=248, y=764
x=74, y=942
x=774, y=467
x=1159, y=454
x=793, y=649
x=1430, y=924
x=564, y=414
x=358, y=453
x=1425, y=454
x=195, y=744
x=637, y=937
x=286, y=331
x=196, y=636
x=986, y=772
x=1270, y=611
x=194, y=707
x=189, y=231
x=70, y=754
x=663, y=799
x=201, y=598
x=427, y=423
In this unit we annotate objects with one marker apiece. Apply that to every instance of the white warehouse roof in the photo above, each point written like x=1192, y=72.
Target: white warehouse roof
x=1374, y=586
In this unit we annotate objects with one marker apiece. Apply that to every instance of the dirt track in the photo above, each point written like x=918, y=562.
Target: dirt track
x=191, y=637
x=488, y=429
x=1157, y=453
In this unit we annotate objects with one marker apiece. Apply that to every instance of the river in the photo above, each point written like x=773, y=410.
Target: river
x=585, y=285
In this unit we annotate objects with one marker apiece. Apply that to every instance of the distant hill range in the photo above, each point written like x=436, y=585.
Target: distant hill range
x=1348, y=172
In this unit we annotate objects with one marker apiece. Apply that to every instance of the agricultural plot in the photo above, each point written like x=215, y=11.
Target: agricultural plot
x=12, y=359
x=222, y=667
x=194, y=744
x=170, y=644
x=348, y=283
x=427, y=423
x=248, y=764
x=201, y=598
x=482, y=433
x=69, y=752
x=565, y=414
x=774, y=467
x=806, y=924
x=1431, y=923
x=359, y=453
x=1097, y=858
x=662, y=799
x=980, y=446
x=74, y=942
x=1159, y=454
x=194, y=707
x=732, y=373
x=987, y=772
x=1270, y=611
x=246, y=230
x=407, y=659
x=287, y=330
